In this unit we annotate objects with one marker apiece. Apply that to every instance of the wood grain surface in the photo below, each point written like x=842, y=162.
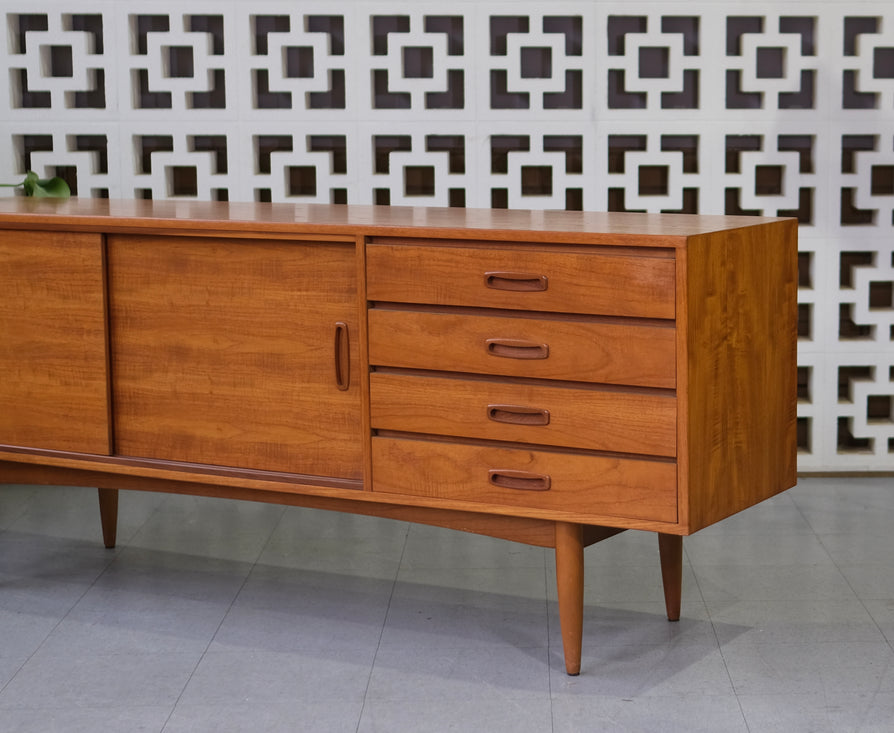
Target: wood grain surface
x=614, y=353
x=561, y=415
x=583, y=484
x=223, y=352
x=53, y=360
x=479, y=275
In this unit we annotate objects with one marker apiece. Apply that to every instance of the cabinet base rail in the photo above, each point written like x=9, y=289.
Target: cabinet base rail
x=568, y=539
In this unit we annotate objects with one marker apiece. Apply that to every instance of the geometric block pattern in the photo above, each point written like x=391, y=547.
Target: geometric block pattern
x=419, y=168
x=58, y=61
x=295, y=62
x=418, y=62
x=772, y=61
x=783, y=108
x=654, y=64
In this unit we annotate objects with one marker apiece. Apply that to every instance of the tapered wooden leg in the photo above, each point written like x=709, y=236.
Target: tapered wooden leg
x=670, y=549
x=570, y=588
x=108, y=515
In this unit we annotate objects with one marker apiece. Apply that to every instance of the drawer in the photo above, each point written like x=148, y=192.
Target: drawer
x=597, y=283
x=526, y=479
x=595, y=419
x=611, y=353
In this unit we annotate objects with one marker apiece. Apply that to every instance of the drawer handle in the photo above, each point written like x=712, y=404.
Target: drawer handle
x=519, y=480
x=514, y=349
x=518, y=415
x=342, y=356
x=516, y=281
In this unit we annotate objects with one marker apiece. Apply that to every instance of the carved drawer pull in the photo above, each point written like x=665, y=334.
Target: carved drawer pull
x=517, y=415
x=342, y=356
x=516, y=281
x=519, y=480
x=515, y=349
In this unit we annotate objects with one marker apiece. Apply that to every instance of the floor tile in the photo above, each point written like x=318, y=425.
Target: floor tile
x=52, y=558
x=73, y=512
x=252, y=678
x=755, y=549
x=828, y=712
x=434, y=547
x=847, y=505
x=491, y=586
x=128, y=623
x=10, y=664
x=637, y=623
x=795, y=668
x=335, y=542
x=871, y=580
x=627, y=548
x=23, y=631
x=301, y=523
x=659, y=670
x=460, y=674
x=185, y=576
x=778, y=516
x=14, y=499
x=281, y=716
x=35, y=596
x=77, y=719
x=859, y=548
x=615, y=584
x=476, y=714
x=430, y=615
x=882, y=612
x=686, y=714
x=800, y=621
x=102, y=680
x=729, y=583
x=201, y=526
x=286, y=609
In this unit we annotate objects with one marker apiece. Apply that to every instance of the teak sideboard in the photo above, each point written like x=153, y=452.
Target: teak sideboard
x=551, y=378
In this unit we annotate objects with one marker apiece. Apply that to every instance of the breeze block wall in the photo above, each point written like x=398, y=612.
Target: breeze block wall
x=783, y=108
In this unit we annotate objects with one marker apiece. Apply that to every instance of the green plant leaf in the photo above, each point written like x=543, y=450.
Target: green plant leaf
x=45, y=187
x=30, y=181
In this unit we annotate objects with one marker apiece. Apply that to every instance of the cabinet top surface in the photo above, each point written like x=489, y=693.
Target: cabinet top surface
x=197, y=217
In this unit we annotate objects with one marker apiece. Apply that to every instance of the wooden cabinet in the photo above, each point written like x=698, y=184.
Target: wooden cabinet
x=551, y=378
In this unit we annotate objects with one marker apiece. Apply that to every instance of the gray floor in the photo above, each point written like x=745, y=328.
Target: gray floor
x=221, y=616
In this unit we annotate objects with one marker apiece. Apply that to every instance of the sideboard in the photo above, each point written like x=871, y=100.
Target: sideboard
x=551, y=378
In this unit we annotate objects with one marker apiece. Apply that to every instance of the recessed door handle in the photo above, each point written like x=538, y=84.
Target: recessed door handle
x=517, y=415
x=505, y=478
x=342, y=356
x=519, y=282
x=517, y=349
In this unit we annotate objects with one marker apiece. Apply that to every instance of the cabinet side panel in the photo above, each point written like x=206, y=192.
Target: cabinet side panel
x=53, y=358
x=741, y=369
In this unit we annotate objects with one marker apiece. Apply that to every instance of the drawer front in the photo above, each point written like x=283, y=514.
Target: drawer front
x=616, y=421
x=521, y=278
x=568, y=482
x=609, y=353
